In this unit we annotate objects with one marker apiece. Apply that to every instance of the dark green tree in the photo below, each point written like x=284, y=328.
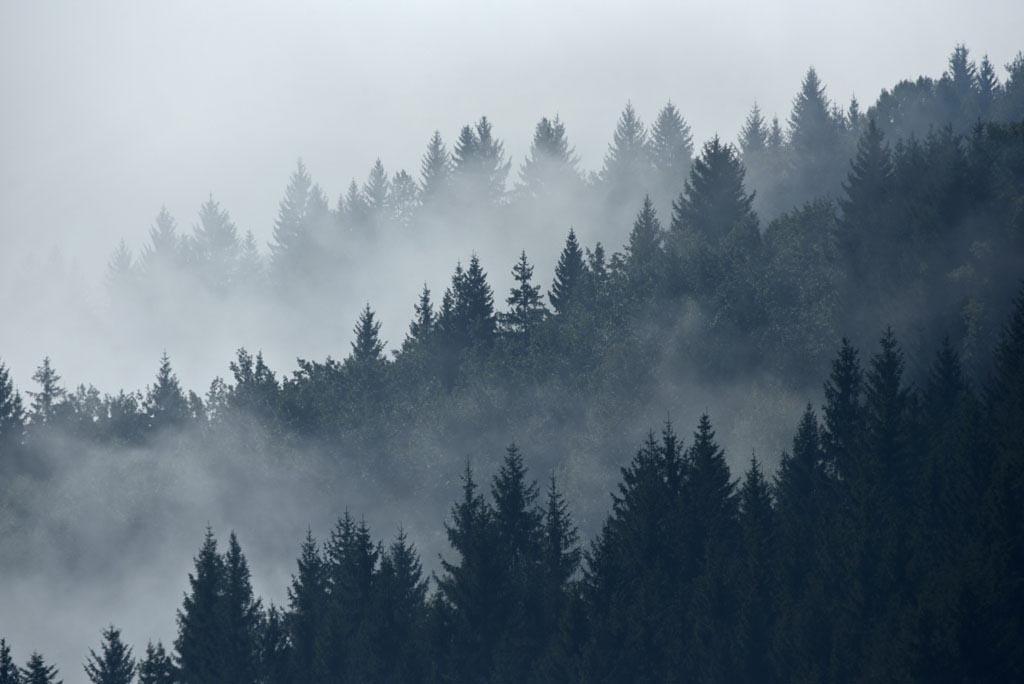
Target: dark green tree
x=526, y=309
x=114, y=664
x=240, y=613
x=12, y=415
x=199, y=646
x=8, y=670
x=307, y=597
x=435, y=171
x=166, y=405
x=156, y=667
x=569, y=274
x=36, y=671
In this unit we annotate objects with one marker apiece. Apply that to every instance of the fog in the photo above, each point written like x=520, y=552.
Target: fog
x=112, y=110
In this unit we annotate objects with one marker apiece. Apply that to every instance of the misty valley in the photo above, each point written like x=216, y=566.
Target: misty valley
x=715, y=411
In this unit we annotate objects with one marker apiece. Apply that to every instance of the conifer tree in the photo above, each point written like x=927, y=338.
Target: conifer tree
x=473, y=315
x=156, y=667
x=988, y=88
x=402, y=593
x=114, y=664
x=356, y=208
x=645, y=257
x=215, y=245
x=480, y=164
x=435, y=170
x=274, y=651
x=121, y=271
x=306, y=602
x=404, y=199
x=240, y=612
x=12, y=417
x=758, y=595
x=423, y=323
x=166, y=405
x=753, y=135
x=292, y=241
x=869, y=235
x=36, y=671
x=714, y=201
x=249, y=269
x=8, y=670
x=551, y=166
x=367, y=347
x=199, y=646
x=526, y=310
x=46, y=402
x=377, y=191
x=627, y=165
x=570, y=272
x=164, y=252
x=812, y=131
x=844, y=412
x=671, y=151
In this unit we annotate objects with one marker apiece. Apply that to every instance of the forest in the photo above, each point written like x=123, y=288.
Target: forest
x=884, y=543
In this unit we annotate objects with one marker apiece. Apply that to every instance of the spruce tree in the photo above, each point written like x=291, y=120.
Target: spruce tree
x=199, y=646
x=627, y=165
x=46, y=402
x=215, y=245
x=644, y=254
x=551, y=166
x=480, y=164
x=12, y=418
x=404, y=199
x=36, y=671
x=367, y=347
x=526, y=310
x=570, y=272
x=8, y=670
x=423, y=323
x=114, y=664
x=292, y=240
x=306, y=603
x=671, y=150
x=165, y=250
x=156, y=667
x=166, y=405
x=753, y=136
x=274, y=650
x=473, y=313
x=844, y=412
x=121, y=270
x=377, y=191
x=869, y=239
x=402, y=593
x=240, y=613
x=758, y=594
x=435, y=170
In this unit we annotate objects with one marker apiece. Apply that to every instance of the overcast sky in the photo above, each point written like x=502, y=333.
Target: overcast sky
x=111, y=109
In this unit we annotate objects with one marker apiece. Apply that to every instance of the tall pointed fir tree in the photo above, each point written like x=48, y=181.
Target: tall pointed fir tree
x=570, y=272
x=305, y=618
x=215, y=246
x=166, y=405
x=756, y=579
x=480, y=166
x=156, y=667
x=36, y=671
x=241, y=615
x=404, y=200
x=164, y=253
x=526, y=310
x=435, y=171
x=627, y=164
x=292, y=243
x=401, y=597
x=644, y=254
x=47, y=401
x=8, y=670
x=199, y=646
x=551, y=166
x=377, y=191
x=12, y=414
x=671, y=150
x=815, y=142
x=114, y=664
x=423, y=323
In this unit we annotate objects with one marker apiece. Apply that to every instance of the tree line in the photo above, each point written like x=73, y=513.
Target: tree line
x=886, y=546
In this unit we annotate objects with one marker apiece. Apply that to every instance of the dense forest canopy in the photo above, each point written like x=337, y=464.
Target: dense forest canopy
x=684, y=280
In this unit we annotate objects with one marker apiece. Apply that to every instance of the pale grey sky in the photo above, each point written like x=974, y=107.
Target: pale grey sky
x=111, y=109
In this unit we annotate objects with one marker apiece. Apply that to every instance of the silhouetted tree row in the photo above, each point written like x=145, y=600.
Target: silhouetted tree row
x=887, y=546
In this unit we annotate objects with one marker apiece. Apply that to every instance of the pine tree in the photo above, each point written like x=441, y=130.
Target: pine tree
x=249, y=268
x=526, y=310
x=671, y=150
x=402, y=593
x=570, y=272
x=714, y=201
x=472, y=320
x=274, y=650
x=869, y=235
x=46, y=402
x=121, y=270
x=435, y=170
x=471, y=586
x=551, y=166
x=988, y=88
x=423, y=323
x=758, y=594
x=404, y=199
x=166, y=405
x=377, y=191
x=560, y=561
x=753, y=136
x=627, y=165
x=367, y=348
x=36, y=671
x=215, y=245
x=199, y=647
x=480, y=164
x=12, y=415
x=356, y=208
x=844, y=412
x=306, y=601
x=240, y=613
x=8, y=670
x=812, y=131
x=645, y=257
x=114, y=664
x=156, y=667
x=164, y=252
x=292, y=243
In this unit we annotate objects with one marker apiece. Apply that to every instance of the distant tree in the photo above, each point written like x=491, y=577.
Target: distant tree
x=404, y=199
x=367, y=348
x=293, y=241
x=114, y=664
x=156, y=667
x=468, y=319
x=166, y=405
x=424, y=322
x=36, y=671
x=526, y=309
x=274, y=650
x=8, y=670
x=551, y=166
x=671, y=150
x=377, y=191
x=164, y=253
x=435, y=170
x=121, y=270
x=645, y=255
x=12, y=417
x=570, y=272
x=988, y=88
x=480, y=165
x=816, y=143
x=249, y=269
x=714, y=201
x=46, y=402
x=754, y=135
x=869, y=236
x=215, y=245
x=627, y=165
